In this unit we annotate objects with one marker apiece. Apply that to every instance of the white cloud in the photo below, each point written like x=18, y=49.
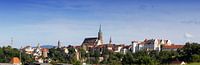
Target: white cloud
x=188, y=35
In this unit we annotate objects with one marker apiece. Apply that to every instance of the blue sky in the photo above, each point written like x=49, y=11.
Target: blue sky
x=45, y=21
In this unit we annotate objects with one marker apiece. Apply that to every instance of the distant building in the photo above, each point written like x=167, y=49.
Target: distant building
x=110, y=46
x=28, y=50
x=125, y=49
x=37, y=52
x=66, y=50
x=45, y=52
x=149, y=45
x=118, y=48
x=93, y=41
x=59, y=44
x=171, y=47
x=100, y=37
x=90, y=42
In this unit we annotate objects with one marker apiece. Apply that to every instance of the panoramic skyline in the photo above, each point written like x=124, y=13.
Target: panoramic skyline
x=30, y=22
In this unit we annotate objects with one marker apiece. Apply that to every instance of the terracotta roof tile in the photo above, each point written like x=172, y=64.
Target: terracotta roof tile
x=15, y=60
x=173, y=46
x=45, y=49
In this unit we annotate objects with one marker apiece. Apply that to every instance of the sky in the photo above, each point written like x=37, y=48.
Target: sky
x=30, y=22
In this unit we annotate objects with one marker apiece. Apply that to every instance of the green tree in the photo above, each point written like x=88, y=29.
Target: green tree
x=128, y=59
x=189, y=52
x=195, y=58
x=141, y=57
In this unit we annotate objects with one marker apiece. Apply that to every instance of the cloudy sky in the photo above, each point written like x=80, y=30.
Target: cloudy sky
x=45, y=21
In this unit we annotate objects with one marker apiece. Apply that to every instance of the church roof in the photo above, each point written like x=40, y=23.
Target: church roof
x=90, y=41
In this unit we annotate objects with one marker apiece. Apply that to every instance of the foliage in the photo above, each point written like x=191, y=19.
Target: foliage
x=190, y=52
x=193, y=63
x=141, y=57
x=77, y=63
x=26, y=58
x=7, y=53
x=58, y=55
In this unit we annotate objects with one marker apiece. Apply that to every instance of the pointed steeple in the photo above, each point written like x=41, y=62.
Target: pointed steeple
x=100, y=28
x=110, y=41
x=59, y=45
x=100, y=36
x=38, y=46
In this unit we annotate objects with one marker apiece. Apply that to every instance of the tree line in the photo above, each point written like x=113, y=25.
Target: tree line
x=189, y=53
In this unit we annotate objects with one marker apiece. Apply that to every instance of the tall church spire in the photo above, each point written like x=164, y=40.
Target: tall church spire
x=100, y=36
x=38, y=46
x=110, y=41
x=100, y=28
x=59, y=45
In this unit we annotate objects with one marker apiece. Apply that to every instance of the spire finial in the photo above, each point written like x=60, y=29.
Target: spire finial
x=100, y=36
x=100, y=28
x=59, y=45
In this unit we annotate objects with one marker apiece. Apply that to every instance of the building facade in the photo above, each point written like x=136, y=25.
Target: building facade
x=92, y=42
x=149, y=45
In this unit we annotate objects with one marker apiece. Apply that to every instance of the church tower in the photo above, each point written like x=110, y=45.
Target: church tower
x=110, y=41
x=59, y=45
x=100, y=37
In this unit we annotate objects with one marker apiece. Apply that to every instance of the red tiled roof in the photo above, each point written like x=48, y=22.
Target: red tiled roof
x=45, y=49
x=15, y=60
x=77, y=47
x=173, y=46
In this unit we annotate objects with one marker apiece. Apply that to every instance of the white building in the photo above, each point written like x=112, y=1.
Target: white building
x=28, y=50
x=118, y=48
x=152, y=44
x=37, y=52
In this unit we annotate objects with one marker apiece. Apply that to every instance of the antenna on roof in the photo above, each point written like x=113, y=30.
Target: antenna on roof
x=11, y=41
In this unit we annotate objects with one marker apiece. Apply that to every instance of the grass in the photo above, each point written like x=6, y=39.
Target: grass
x=193, y=64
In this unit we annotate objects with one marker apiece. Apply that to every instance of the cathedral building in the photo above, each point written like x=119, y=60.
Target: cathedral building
x=93, y=41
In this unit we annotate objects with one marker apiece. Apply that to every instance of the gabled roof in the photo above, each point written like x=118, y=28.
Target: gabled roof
x=90, y=41
x=151, y=41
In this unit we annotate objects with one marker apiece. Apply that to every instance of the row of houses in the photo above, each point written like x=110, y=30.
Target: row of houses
x=147, y=44
x=97, y=44
x=154, y=44
x=37, y=52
